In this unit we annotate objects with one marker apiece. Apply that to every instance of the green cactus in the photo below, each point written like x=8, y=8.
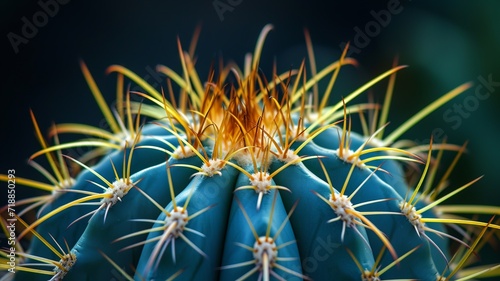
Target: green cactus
x=241, y=178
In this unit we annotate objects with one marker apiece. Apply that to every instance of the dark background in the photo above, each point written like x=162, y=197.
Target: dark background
x=445, y=44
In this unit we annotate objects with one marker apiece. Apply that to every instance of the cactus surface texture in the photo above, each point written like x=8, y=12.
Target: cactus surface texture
x=242, y=176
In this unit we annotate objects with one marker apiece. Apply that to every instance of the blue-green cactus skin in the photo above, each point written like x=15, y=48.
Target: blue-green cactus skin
x=87, y=235
x=260, y=222
x=92, y=242
x=394, y=177
x=214, y=193
x=322, y=250
x=394, y=226
x=318, y=248
x=142, y=159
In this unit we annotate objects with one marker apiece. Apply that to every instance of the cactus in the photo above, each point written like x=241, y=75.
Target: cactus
x=241, y=178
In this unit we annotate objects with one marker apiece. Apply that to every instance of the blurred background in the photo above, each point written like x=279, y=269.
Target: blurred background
x=445, y=44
